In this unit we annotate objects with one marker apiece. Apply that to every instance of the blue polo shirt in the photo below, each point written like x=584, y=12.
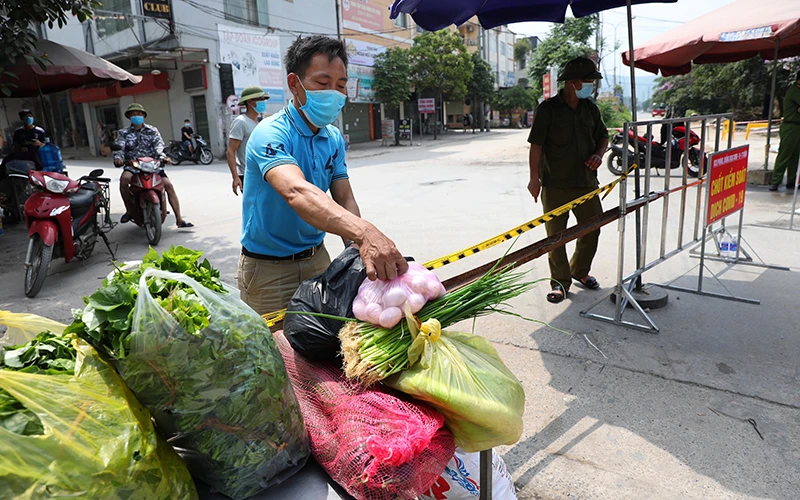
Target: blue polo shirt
x=269, y=225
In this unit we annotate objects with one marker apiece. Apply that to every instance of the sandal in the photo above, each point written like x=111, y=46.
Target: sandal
x=184, y=224
x=556, y=295
x=588, y=282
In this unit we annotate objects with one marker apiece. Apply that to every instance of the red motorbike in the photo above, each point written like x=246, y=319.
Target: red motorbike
x=150, y=198
x=64, y=219
x=659, y=151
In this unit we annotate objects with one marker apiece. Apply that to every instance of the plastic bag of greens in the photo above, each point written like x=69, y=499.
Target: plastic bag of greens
x=22, y=327
x=208, y=369
x=69, y=428
x=462, y=376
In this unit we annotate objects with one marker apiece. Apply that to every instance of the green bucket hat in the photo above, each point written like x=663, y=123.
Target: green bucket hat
x=135, y=107
x=253, y=92
x=580, y=68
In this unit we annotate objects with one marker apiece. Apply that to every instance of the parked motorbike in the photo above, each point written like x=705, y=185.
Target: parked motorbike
x=658, y=156
x=149, y=196
x=16, y=187
x=178, y=152
x=64, y=219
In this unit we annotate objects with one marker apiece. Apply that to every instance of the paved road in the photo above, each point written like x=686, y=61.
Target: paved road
x=633, y=422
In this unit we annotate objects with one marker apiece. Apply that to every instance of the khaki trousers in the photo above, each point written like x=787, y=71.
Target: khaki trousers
x=267, y=285
x=579, y=266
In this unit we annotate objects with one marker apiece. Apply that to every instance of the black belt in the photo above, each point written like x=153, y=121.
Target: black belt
x=304, y=255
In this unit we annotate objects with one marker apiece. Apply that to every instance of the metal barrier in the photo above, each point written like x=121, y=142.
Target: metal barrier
x=689, y=206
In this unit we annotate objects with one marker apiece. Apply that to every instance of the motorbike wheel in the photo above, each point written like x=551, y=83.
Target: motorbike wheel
x=174, y=157
x=614, y=164
x=693, y=166
x=152, y=222
x=206, y=156
x=41, y=256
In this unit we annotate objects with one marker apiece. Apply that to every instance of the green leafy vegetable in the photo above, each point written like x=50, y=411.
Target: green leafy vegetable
x=49, y=354
x=205, y=365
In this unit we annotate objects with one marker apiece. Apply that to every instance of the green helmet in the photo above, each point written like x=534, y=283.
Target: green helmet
x=253, y=92
x=135, y=107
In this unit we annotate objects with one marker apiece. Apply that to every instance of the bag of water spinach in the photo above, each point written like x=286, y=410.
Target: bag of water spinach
x=205, y=365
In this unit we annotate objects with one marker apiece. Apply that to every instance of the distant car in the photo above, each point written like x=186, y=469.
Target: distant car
x=659, y=110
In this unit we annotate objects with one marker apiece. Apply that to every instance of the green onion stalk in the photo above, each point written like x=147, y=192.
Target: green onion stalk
x=372, y=353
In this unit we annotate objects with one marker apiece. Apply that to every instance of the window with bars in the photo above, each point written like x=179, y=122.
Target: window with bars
x=110, y=24
x=242, y=11
x=401, y=21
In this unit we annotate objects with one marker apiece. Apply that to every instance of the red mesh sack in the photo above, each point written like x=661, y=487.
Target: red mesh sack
x=370, y=441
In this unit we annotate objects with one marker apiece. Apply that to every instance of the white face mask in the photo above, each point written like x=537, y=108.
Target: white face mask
x=185, y=124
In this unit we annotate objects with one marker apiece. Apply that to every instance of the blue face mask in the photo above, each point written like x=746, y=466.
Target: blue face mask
x=261, y=106
x=137, y=120
x=28, y=120
x=585, y=91
x=322, y=106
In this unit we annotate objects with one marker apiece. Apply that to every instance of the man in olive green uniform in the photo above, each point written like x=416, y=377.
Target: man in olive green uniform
x=568, y=140
x=789, y=151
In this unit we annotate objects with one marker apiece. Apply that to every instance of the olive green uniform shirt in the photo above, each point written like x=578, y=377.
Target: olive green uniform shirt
x=568, y=138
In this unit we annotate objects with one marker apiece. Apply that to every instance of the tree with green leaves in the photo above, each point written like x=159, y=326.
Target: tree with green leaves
x=19, y=38
x=392, y=85
x=514, y=98
x=521, y=50
x=440, y=63
x=480, y=86
x=564, y=43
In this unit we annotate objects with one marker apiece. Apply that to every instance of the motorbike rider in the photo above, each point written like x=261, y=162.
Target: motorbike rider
x=28, y=139
x=187, y=136
x=137, y=141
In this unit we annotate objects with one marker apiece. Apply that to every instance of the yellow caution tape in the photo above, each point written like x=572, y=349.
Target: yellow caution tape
x=275, y=317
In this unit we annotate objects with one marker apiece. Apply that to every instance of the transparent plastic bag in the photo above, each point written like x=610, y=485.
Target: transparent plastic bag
x=22, y=327
x=461, y=479
x=98, y=441
x=384, y=303
x=220, y=396
x=463, y=377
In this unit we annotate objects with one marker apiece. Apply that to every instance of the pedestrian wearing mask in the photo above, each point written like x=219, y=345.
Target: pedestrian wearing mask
x=568, y=140
x=294, y=158
x=254, y=99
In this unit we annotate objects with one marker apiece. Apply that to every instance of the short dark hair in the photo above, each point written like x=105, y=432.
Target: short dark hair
x=25, y=112
x=300, y=53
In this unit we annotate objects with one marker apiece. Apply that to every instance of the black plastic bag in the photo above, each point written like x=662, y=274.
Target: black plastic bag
x=332, y=292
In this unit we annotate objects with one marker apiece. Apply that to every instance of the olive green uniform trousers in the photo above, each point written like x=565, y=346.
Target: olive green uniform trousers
x=561, y=269
x=788, y=155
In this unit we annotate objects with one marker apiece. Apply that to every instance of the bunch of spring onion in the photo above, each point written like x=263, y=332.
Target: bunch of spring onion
x=372, y=353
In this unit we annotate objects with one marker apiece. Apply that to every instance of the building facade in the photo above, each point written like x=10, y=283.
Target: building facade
x=368, y=32
x=194, y=55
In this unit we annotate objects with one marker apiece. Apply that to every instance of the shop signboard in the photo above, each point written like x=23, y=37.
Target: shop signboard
x=427, y=105
x=727, y=183
x=363, y=15
x=360, y=88
x=255, y=59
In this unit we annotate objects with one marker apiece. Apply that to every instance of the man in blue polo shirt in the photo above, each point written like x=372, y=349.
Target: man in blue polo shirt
x=293, y=159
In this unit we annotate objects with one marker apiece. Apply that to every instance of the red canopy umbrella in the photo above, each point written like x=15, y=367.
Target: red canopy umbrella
x=65, y=68
x=740, y=30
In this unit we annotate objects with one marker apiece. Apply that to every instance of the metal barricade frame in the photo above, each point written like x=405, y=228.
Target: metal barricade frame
x=627, y=284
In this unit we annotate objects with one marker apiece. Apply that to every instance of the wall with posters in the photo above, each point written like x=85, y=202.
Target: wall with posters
x=256, y=60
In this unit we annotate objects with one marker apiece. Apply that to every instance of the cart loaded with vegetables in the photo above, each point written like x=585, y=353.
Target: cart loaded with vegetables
x=165, y=379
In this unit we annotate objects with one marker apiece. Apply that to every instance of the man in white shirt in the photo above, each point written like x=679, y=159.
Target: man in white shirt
x=254, y=99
